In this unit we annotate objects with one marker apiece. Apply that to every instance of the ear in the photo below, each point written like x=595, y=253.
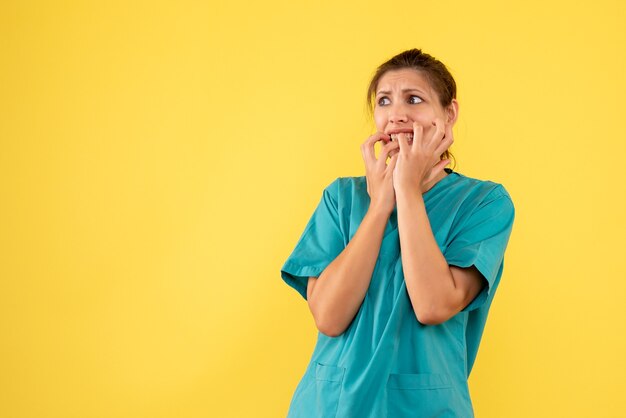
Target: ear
x=452, y=112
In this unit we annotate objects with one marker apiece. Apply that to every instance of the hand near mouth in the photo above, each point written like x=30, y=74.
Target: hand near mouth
x=419, y=162
x=379, y=174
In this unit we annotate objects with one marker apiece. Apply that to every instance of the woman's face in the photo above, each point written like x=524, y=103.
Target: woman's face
x=405, y=96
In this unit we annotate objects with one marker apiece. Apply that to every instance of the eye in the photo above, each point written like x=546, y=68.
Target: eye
x=415, y=100
x=383, y=101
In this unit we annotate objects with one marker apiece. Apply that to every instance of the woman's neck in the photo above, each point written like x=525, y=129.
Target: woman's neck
x=436, y=180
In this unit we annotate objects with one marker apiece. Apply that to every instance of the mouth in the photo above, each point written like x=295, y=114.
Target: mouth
x=409, y=136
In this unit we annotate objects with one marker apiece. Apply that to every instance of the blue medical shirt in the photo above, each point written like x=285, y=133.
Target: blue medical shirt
x=386, y=363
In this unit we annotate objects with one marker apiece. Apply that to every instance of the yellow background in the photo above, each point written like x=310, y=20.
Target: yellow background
x=159, y=161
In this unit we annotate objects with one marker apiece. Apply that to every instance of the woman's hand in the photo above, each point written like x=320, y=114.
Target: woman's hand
x=379, y=175
x=420, y=163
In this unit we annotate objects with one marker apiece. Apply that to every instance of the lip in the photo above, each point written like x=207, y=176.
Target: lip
x=400, y=131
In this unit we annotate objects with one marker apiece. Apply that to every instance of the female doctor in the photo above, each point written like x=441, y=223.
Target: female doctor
x=399, y=267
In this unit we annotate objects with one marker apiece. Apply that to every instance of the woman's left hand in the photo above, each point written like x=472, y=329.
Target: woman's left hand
x=420, y=162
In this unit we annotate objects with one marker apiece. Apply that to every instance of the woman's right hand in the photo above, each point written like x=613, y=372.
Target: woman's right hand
x=379, y=174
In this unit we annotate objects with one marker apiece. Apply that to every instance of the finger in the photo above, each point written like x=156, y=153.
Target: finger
x=384, y=153
x=437, y=168
x=403, y=142
x=439, y=133
x=392, y=162
x=367, y=148
x=446, y=142
x=418, y=133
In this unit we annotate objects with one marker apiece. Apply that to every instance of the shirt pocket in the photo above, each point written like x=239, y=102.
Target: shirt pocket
x=328, y=383
x=424, y=395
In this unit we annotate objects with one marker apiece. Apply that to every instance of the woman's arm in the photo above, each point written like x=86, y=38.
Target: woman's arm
x=335, y=297
x=437, y=291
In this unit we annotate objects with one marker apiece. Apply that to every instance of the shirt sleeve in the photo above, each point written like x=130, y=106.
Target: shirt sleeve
x=320, y=243
x=482, y=240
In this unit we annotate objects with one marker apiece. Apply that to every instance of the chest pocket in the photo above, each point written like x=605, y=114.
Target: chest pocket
x=328, y=384
x=424, y=395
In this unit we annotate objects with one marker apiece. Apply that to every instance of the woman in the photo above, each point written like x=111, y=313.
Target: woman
x=399, y=267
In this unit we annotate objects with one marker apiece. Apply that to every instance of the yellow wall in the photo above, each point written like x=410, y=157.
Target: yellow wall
x=159, y=161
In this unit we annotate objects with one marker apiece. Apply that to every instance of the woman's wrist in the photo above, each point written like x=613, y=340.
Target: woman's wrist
x=380, y=210
x=409, y=197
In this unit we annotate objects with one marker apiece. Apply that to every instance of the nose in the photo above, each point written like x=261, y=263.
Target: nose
x=397, y=114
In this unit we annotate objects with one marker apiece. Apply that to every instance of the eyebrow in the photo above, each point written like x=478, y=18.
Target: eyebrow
x=403, y=91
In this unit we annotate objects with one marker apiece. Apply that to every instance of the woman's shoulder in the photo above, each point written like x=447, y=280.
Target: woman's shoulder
x=471, y=195
x=480, y=187
x=347, y=192
x=346, y=185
